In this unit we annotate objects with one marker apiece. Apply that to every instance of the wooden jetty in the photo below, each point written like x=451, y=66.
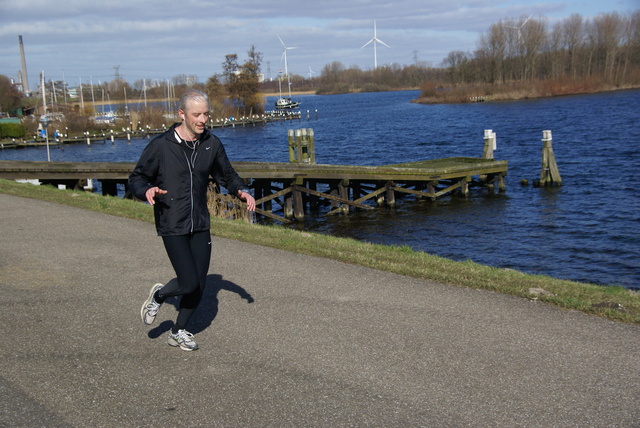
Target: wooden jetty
x=301, y=184
x=346, y=187
x=295, y=186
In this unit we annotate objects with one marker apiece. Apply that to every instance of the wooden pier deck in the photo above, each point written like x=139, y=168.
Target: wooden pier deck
x=296, y=186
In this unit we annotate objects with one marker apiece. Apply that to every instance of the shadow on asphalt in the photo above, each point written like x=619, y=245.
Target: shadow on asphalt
x=208, y=308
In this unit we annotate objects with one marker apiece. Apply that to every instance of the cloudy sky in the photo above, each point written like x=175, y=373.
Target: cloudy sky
x=79, y=40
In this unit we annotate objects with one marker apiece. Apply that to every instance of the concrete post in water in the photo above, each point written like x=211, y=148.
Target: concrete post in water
x=88, y=139
x=549, y=174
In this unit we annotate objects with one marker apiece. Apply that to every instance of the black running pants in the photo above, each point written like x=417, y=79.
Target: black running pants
x=190, y=256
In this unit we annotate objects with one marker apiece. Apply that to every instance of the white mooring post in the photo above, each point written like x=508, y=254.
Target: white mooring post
x=489, y=144
x=549, y=173
x=489, y=147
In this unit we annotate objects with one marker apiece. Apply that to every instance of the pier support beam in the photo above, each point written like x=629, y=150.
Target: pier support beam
x=109, y=187
x=298, y=204
x=391, y=194
x=464, y=186
x=343, y=189
x=288, y=206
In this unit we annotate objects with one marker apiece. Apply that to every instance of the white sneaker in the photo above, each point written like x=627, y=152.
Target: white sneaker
x=183, y=339
x=150, y=306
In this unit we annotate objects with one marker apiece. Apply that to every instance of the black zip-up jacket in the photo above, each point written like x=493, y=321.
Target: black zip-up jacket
x=166, y=162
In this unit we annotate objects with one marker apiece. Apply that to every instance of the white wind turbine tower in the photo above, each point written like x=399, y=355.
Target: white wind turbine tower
x=375, y=41
x=284, y=55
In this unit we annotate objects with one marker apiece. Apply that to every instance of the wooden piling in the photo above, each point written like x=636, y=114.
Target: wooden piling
x=343, y=189
x=549, y=173
x=489, y=144
x=301, y=146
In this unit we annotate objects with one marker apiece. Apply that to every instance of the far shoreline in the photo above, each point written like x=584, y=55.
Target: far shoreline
x=461, y=97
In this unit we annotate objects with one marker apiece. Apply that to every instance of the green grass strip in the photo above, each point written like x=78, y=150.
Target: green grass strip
x=613, y=302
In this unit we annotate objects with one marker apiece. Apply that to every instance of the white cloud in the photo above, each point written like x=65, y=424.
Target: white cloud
x=161, y=39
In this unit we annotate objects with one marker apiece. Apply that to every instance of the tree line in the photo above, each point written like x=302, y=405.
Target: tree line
x=571, y=56
x=528, y=49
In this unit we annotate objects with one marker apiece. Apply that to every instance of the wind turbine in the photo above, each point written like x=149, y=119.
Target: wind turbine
x=284, y=55
x=520, y=27
x=375, y=41
x=311, y=72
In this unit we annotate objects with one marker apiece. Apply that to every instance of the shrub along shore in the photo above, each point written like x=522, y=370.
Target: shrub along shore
x=612, y=302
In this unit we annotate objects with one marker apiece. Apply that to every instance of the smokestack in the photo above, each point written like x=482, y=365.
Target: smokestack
x=25, y=79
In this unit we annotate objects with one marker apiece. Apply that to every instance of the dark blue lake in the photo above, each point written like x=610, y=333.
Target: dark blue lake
x=586, y=230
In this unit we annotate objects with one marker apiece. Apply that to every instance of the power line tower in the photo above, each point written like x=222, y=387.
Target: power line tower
x=116, y=76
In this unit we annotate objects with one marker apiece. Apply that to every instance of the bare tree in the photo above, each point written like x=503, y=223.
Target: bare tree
x=532, y=40
x=605, y=35
x=555, y=53
x=573, y=37
x=457, y=63
x=630, y=43
x=493, y=48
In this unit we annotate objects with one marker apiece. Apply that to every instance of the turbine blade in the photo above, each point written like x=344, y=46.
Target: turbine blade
x=380, y=41
x=367, y=43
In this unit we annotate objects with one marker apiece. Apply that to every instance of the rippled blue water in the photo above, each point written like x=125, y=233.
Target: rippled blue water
x=586, y=230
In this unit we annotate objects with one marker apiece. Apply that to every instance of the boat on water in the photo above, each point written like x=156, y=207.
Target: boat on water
x=106, y=118
x=285, y=103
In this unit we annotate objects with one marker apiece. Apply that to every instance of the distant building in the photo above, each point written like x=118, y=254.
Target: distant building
x=73, y=92
x=260, y=75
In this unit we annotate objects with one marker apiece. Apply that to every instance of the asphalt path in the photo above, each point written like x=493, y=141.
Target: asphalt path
x=286, y=340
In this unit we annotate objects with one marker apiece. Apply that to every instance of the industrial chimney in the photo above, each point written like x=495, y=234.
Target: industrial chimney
x=25, y=79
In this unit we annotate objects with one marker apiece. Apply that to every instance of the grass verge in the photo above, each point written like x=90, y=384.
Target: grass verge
x=612, y=302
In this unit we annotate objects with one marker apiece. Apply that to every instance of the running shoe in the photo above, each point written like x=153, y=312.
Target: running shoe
x=150, y=306
x=183, y=339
